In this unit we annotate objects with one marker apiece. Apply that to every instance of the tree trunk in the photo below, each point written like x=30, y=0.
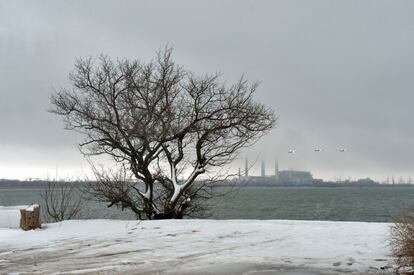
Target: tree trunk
x=168, y=215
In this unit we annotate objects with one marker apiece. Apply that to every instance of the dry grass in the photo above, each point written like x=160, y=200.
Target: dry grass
x=402, y=242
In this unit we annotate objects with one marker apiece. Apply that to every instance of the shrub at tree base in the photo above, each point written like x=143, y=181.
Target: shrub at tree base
x=402, y=242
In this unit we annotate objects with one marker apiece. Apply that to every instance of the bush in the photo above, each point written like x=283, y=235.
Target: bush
x=62, y=201
x=402, y=242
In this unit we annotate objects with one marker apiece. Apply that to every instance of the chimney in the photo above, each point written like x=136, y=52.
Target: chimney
x=276, y=168
x=263, y=168
x=246, y=168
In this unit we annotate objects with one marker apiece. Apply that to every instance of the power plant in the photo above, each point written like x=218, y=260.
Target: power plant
x=292, y=178
x=284, y=177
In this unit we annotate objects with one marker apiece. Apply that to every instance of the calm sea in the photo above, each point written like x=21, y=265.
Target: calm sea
x=375, y=204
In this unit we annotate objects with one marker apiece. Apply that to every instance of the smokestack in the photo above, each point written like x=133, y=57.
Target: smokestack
x=263, y=168
x=276, y=168
x=246, y=168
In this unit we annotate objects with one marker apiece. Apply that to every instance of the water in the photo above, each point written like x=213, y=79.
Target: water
x=374, y=204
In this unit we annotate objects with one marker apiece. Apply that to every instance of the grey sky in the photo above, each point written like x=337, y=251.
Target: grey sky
x=338, y=73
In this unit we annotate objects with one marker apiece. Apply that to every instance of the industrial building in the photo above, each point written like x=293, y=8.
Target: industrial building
x=280, y=178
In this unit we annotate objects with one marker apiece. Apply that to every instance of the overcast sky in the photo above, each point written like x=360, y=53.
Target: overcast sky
x=338, y=73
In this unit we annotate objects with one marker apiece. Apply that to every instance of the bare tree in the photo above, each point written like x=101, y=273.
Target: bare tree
x=166, y=127
x=62, y=201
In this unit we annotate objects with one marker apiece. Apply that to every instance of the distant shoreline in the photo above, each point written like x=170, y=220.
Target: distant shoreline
x=332, y=185
x=20, y=184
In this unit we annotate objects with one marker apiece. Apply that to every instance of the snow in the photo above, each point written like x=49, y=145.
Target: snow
x=10, y=215
x=10, y=218
x=178, y=187
x=198, y=246
x=32, y=207
x=147, y=193
x=17, y=207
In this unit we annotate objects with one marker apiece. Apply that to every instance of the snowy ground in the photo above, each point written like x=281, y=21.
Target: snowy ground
x=197, y=247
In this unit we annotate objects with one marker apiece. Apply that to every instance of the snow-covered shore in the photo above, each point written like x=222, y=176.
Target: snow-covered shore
x=197, y=247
